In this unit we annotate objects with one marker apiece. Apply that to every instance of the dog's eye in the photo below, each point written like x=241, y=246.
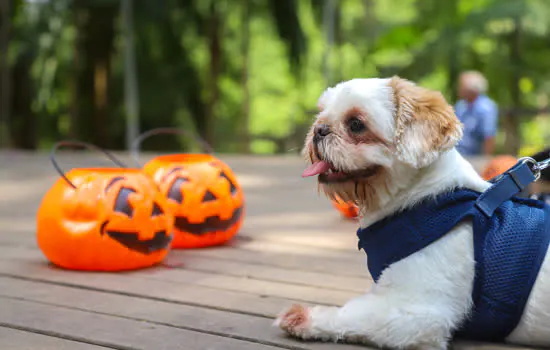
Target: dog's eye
x=356, y=126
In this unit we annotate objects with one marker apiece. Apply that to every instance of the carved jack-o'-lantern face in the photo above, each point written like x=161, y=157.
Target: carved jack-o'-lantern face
x=115, y=219
x=132, y=211
x=205, y=197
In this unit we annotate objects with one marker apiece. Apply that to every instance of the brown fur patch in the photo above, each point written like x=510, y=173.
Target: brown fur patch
x=365, y=193
x=370, y=137
x=425, y=108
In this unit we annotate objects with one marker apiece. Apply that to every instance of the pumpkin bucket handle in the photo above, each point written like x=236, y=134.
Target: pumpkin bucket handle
x=82, y=145
x=160, y=131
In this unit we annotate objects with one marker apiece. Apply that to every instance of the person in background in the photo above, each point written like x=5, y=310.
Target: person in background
x=478, y=113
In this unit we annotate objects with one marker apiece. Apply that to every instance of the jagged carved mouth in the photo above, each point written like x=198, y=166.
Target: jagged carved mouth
x=210, y=224
x=130, y=240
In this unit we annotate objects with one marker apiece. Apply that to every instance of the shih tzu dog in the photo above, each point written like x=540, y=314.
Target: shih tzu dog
x=389, y=146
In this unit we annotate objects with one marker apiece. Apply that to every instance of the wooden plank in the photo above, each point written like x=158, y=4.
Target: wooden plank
x=245, y=285
x=328, y=245
x=238, y=326
x=24, y=340
x=328, y=266
x=322, y=229
x=190, y=280
x=126, y=284
x=352, y=266
x=258, y=245
x=304, y=237
x=290, y=261
x=182, y=259
x=191, y=318
x=273, y=256
x=117, y=332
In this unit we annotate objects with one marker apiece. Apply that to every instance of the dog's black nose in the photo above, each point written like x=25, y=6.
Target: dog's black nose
x=322, y=130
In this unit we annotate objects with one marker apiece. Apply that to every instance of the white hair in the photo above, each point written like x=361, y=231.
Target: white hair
x=474, y=81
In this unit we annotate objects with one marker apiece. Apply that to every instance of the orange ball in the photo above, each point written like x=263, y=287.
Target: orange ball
x=347, y=209
x=204, y=195
x=497, y=166
x=112, y=219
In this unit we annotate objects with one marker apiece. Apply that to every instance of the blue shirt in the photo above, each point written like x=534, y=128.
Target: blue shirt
x=480, y=122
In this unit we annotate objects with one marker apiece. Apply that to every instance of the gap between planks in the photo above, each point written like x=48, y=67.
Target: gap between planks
x=184, y=279
x=191, y=261
x=190, y=318
x=114, y=331
x=219, y=323
x=125, y=285
x=22, y=338
x=350, y=265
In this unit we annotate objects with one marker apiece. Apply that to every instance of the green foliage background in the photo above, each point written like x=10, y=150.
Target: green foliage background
x=246, y=74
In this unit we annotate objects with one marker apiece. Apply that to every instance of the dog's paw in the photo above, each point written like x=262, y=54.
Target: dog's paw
x=296, y=321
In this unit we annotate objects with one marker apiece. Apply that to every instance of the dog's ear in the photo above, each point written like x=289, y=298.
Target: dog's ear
x=425, y=124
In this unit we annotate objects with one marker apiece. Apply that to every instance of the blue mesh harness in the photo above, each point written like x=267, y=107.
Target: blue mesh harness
x=511, y=237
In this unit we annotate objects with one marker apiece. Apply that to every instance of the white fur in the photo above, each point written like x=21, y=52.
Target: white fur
x=371, y=95
x=419, y=301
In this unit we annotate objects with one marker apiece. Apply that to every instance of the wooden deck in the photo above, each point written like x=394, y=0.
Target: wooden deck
x=293, y=248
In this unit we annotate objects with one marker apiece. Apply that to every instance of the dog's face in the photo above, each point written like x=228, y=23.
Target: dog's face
x=370, y=131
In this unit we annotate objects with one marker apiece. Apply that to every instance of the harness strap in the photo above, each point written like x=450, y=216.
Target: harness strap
x=505, y=187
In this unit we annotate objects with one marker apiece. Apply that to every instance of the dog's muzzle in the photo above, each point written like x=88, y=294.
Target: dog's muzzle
x=320, y=131
x=319, y=134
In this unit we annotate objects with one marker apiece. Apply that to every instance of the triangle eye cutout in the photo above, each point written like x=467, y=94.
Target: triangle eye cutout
x=208, y=196
x=122, y=205
x=233, y=189
x=157, y=210
x=174, y=192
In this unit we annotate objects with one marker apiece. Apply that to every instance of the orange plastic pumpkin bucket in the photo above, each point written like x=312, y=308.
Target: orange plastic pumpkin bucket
x=497, y=166
x=347, y=209
x=103, y=219
x=202, y=191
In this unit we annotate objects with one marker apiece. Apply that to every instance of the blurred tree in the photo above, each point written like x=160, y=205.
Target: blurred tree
x=215, y=28
x=23, y=128
x=23, y=125
x=329, y=14
x=512, y=122
x=96, y=32
x=5, y=86
x=131, y=97
x=243, y=130
x=74, y=69
x=246, y=74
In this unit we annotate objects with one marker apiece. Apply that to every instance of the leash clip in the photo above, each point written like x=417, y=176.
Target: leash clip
x=536, y=167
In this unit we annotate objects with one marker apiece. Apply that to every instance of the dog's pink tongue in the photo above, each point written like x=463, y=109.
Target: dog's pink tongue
x=316, y=168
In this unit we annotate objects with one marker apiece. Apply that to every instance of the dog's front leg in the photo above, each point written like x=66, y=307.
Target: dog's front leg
x=416, y=303
x=382, y=320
